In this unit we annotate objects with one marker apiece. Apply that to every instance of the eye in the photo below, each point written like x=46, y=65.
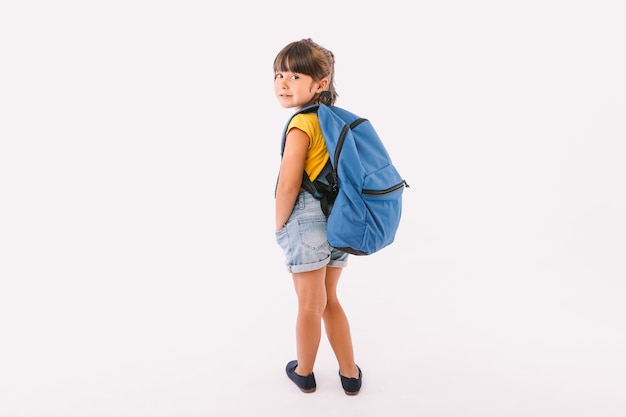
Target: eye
x=278, y=76
x=295, y=77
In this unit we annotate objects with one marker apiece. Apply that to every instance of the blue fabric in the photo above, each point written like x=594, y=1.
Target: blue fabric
x=304, y=241
x=366, y=213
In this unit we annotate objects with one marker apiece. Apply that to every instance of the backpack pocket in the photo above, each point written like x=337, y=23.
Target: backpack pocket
x=363, y=223
x=382, y=196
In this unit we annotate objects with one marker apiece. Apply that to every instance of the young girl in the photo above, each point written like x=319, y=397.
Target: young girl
x=304, y=75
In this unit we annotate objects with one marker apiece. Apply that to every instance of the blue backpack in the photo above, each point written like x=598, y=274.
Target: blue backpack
x=360, y=190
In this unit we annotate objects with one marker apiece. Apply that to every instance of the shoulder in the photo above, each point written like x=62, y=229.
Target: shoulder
x=303, y=120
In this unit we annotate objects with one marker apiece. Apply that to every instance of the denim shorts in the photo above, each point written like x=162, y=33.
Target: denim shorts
x=304, y=241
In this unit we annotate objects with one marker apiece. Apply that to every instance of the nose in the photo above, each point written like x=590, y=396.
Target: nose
x=282, y=82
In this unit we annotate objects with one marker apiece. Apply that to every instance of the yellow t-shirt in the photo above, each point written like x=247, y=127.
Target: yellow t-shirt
x=317, y=154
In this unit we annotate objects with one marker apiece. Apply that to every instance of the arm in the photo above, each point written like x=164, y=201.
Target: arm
x=290, y=176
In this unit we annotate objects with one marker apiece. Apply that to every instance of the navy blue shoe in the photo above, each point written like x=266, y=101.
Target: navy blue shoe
x=305, y=383
x=351, y=386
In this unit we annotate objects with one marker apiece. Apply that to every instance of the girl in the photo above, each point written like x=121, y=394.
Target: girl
x=304, y=75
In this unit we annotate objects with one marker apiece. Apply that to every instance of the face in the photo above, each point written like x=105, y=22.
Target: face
x=295, y=90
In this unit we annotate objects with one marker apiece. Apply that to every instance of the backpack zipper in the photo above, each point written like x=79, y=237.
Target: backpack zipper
x=388, y=190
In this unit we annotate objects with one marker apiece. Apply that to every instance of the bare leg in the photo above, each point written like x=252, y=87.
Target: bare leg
x=337, y=326
x=311, y=292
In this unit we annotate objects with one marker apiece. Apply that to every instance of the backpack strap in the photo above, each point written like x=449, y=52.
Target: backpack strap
x=324, y=191
x=326, y=187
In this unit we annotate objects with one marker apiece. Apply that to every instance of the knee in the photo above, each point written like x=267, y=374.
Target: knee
x=314, y=306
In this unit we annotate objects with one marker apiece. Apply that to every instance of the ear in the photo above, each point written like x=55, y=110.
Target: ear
x=323, y=85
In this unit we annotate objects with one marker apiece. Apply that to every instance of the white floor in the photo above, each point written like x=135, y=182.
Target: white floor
x=432, y=338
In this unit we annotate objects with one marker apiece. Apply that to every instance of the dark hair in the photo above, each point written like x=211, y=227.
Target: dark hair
x=308, y=58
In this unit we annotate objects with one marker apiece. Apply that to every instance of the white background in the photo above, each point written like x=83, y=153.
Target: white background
x=138, y=157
